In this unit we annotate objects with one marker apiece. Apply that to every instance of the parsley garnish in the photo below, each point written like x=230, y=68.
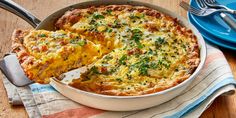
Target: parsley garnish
x=109, y=30
x=109, y=11
x=98, y=16
x=94, y=69
x=153, y=65
x=164, y=63
x=136, y=36
x=132, y=16
x=122, y=60
x=108, y=57
x=143, y=69
x=116, y=24
x=73, y=41
x=159, y=41
x=81, y=42
x=119, y=79
x=42, y=35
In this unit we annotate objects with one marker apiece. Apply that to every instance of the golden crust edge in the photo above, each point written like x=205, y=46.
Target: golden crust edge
x=21, y=52
x=73, y=14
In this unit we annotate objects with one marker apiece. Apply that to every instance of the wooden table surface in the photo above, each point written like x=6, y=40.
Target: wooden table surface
x=223, y=106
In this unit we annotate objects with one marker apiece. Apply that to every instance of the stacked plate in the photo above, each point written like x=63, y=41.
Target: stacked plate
x=213, y=28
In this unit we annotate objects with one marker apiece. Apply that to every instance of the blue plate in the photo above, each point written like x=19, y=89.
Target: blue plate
x=214, y=25
x=211, y=38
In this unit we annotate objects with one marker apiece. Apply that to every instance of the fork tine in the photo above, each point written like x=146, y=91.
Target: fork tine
x=189, y=8
x=212, y=1
x=209, y=1
x=202, y=3
x=184, y=5
x=194, y=11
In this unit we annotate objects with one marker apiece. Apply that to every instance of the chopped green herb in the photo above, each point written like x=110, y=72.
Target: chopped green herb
x=167, y=65
x=139, y=44
x=142, y=16
x=77, y=41
x=98, y=16
x=73, y=41
x=92, y=22
x=58, y=35
x=108, y=57
x=143, y=65
x=136, y=36
x=42, y=35
x=81, y=42
x=160, y=62
x=112, y=70
x=143, y=69
x=124, y=24
x=92, y=28
x=109, y=30
x=94, y=69
x=152, y=52
x=136, y=31
x=153, y=65
x=119, y=79
x=109, y=11
x=159, y=41
x=182, y=45
x=122, y=60
x=132, y=16
x=116, y=24
x=164, y=63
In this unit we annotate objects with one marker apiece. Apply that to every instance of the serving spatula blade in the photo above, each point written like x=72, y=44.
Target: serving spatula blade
x=11, y=68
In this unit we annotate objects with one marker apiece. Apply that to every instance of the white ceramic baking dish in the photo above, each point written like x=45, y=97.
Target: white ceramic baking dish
x=105, y=102
x=127, y=103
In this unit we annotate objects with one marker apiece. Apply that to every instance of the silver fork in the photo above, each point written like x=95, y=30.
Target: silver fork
x=200, y=12
x=214, y=4
x=228, y=20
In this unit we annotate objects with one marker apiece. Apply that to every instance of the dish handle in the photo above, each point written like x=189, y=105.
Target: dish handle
x=20, y=11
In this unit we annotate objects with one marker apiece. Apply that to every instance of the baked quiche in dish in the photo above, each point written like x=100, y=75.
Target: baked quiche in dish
x=133, y=50
x=155, y=51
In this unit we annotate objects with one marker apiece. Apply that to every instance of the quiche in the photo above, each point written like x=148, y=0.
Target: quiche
x=136, y=50
x=153, y=51
x=44, y=54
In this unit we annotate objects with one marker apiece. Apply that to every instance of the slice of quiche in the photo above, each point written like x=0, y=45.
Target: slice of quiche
x=44, y=54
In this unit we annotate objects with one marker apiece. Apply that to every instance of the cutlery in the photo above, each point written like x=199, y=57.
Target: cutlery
x=214, y=4
x=200, y=11
x=232, y=24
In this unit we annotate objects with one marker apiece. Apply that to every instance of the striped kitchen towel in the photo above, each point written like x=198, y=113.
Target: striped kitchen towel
x=215, y=79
